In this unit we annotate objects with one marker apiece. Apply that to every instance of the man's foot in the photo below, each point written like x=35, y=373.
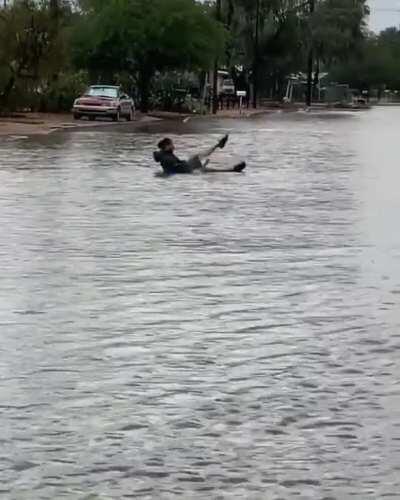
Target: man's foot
x=223, y=141
x=240, y=167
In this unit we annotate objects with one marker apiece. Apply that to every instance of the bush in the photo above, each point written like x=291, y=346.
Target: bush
x=60, y=94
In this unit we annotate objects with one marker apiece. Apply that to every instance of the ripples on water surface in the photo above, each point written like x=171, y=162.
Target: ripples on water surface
x=225, y=336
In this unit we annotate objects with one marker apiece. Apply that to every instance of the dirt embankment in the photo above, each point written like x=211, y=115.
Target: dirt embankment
x=30, y=124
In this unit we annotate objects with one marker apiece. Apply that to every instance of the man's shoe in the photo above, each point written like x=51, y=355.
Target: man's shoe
x=223, y=141
x=239, y=167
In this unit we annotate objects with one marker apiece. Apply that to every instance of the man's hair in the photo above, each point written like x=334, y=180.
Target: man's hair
x=164, y=143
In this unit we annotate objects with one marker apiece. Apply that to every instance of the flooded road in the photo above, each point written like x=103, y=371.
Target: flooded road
x=202, y=337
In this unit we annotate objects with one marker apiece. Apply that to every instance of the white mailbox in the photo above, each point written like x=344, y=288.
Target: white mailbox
x=241, y=94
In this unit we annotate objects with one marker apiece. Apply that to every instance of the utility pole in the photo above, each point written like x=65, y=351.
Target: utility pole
x=256, y=55
x=310, y=58
x=215, y=75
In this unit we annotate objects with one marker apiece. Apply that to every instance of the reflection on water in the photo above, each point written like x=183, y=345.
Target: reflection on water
x=221, y=336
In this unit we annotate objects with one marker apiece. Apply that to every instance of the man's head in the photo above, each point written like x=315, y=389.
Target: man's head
x=166, y=145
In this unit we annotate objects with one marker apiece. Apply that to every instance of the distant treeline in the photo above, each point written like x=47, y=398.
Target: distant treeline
x=51, y=49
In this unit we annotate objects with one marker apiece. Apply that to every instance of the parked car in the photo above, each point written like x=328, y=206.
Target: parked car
x=104, y=100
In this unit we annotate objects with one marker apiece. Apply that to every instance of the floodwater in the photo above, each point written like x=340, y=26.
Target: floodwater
x=202, y=337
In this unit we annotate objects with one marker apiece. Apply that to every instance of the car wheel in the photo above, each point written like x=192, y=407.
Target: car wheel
x=92, y=118
x=77, y=116
x=129, y=116
x=117, y=116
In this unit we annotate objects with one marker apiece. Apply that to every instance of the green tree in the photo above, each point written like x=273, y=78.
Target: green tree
x=32, y=47
x=332, y=30
x=375, y=66
x=266, y=40
x=278, y=37
x=145, y=37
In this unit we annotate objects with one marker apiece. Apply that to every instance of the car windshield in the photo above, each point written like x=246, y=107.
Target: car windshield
x=102, y=91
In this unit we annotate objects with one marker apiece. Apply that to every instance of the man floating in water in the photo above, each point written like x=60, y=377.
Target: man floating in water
x=171, y=164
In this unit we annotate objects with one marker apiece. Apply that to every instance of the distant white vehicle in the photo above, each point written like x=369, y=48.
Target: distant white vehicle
x=104, y=100
x=225, y=83
x=228, y=87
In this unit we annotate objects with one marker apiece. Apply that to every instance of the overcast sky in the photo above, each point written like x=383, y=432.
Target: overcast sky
x=379, y=18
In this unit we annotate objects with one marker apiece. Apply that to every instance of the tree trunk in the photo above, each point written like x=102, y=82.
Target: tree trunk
x=310, y=59
x=316, y=85
x=215, y=89
x=6, y=92
x=145, y=76
x=316, y=75
x=228, y=25
x=54, y=7
x=310, y=63
x=144, y=98
x=256, y=56
x=216, y=64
